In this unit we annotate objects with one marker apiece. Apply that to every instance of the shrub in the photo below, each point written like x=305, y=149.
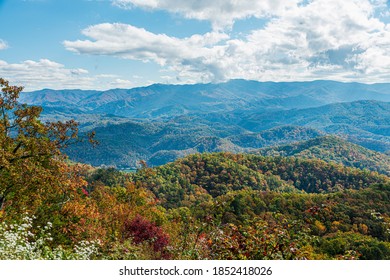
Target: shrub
x=141, y=230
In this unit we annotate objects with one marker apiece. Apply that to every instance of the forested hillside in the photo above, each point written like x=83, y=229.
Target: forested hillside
x=123, y=145
x=334, y=149
x=363, y=122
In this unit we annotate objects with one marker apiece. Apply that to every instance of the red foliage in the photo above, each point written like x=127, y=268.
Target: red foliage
x=84, y=191
x=140, y=229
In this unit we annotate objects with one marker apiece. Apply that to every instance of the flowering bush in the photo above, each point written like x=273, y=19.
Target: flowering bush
x=19, y=242
x=86, y=250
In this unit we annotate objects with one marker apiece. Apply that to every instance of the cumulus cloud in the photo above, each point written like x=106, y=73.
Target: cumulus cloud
x=318, y=39
x=324, y=34
x=3, y=45
x=197, y=53
x=221, y=13
x=45, y=73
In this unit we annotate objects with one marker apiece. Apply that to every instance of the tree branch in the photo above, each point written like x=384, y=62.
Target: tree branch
x=17, y=148
x=4, y=122
x=25, y=157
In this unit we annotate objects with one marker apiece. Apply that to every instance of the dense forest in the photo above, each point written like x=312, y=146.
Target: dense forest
x=278, y=205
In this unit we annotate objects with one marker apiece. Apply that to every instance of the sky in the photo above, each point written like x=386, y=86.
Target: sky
x=104, y=44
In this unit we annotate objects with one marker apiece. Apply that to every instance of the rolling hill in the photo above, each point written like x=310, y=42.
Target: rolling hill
x=334, y=149
x=217, y=174
x=125, y=144
x=363, y=122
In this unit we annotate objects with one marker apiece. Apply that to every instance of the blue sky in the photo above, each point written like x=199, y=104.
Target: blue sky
x=104, y=44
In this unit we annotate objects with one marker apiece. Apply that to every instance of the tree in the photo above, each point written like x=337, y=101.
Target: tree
x=31, y=161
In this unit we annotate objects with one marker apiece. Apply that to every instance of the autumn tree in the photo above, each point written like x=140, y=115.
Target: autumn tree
x=31, y=163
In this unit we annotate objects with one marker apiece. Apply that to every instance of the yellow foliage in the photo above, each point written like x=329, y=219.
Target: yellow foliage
x=320, y=227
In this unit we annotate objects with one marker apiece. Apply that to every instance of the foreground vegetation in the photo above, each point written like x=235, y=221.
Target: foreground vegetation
x=204, y=206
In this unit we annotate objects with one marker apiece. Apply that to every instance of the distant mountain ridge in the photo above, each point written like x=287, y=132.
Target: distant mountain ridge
x=364, y=114
x=166, y=101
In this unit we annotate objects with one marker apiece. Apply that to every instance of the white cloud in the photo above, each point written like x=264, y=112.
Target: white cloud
x=323, y=39
x=325, y=34
x=130, y=42
x=193, y=56
x=3, y=45
x=221, y=13
x=42, y=73
x=45, y=73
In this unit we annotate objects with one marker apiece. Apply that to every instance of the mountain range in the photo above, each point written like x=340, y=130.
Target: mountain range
x=161, y=123
x=165, y=101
